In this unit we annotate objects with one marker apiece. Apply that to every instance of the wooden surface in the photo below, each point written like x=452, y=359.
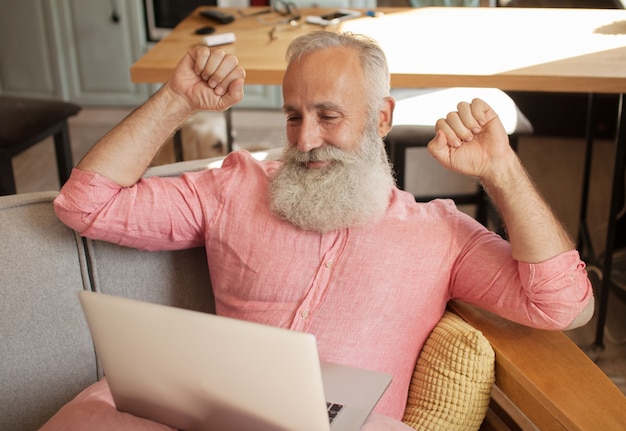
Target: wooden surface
x=568, y=50
x=548, y=377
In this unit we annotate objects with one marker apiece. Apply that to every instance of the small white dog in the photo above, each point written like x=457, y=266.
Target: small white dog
x=204, y=135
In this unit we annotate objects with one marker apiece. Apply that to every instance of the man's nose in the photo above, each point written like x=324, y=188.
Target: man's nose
x=309, y=136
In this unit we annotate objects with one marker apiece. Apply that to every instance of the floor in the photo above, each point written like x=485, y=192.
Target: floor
x=554, y=163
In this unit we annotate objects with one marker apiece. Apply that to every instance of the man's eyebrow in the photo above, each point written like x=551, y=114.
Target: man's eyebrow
x=289, y=109
x=318, y=107
x=330, y=106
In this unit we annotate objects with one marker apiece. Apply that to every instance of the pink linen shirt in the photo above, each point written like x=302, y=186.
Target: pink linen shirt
x=371, y=294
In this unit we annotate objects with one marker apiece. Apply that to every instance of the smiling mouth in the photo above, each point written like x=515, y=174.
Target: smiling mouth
x=318, y=164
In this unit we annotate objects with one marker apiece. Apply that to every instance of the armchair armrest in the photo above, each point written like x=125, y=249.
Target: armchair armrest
x=547, y=376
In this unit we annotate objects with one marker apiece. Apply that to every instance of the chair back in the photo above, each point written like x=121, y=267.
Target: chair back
x=47, y=355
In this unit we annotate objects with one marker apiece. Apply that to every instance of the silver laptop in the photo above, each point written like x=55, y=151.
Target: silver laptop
x=197, y=371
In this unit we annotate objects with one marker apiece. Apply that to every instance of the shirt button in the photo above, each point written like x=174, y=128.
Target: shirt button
x=329, y=263
x=304, y=314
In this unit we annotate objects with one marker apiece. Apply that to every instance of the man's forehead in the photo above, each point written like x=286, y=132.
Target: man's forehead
x=326, y=60
x=331, y=76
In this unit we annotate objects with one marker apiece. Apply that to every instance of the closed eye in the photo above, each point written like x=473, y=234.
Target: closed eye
x=330, y=118
x=329, y=112
x=291, y=114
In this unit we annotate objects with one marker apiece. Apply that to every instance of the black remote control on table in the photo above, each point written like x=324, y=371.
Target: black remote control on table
x=217, y=16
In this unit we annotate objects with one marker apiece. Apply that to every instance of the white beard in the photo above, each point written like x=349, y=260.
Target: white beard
x=352, y=191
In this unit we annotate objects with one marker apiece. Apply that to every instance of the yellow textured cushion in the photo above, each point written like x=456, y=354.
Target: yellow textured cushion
x=453, y=377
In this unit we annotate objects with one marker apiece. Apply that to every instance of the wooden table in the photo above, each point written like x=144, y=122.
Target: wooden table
x=549, y=50
x=567, y=50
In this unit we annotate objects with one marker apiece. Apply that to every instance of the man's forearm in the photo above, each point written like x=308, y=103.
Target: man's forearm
x=124, y=153
x=534, y=231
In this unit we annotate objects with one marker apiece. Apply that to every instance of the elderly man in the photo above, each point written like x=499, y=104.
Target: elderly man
x=322, y=241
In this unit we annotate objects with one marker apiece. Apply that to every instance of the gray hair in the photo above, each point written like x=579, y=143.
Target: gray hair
x=373, y=59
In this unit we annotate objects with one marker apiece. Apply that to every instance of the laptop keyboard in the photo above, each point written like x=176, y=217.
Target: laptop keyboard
x=333, y=410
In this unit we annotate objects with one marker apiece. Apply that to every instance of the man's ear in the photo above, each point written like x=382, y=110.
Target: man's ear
x=385, y=116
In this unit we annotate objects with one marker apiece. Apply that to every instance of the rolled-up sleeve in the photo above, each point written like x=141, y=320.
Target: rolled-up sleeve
x=557, y=289
x=81, y=197
x=154, y=214
x=546, y=295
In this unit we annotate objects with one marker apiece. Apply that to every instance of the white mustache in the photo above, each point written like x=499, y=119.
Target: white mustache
x=320, y=154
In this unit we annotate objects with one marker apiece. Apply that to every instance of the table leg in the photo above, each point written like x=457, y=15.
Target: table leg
x=229, y=130
x=584, y=241
x=618, y=176
x=178, y=146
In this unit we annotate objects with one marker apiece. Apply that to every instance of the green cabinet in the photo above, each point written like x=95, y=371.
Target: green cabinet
x=82, y=51
x=78, y=50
